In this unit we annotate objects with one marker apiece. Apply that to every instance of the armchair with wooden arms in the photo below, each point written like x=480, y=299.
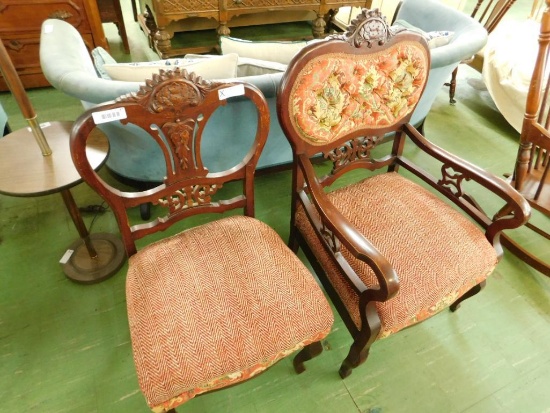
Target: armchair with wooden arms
x=531, y=177
x=219, y=302
x=389, y=252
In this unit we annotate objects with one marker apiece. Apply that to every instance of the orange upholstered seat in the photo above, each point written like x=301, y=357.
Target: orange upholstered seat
x=204, y=314
x=431, y=275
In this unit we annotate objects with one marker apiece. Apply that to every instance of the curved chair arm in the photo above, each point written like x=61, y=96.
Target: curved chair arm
x=346, y=233
x=517, y=208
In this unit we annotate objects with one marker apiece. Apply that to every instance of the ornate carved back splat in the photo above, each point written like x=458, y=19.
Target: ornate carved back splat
x=452, y=180
x=174, y=109
x=175, y=95
x=188, y=197
x=359, y=148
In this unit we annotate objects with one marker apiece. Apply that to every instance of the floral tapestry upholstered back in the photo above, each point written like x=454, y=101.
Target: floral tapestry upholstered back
x=339, y=93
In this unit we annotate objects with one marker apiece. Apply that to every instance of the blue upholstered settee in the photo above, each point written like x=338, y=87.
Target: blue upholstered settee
x=67, y=65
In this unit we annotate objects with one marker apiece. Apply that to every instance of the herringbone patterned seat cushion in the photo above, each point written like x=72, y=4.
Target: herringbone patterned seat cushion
x=437, y=252
x=215, y=305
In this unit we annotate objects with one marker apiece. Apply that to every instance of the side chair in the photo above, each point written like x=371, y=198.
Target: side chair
x=393, y=241
x=531, y=177
x=489, y=13
x=220, y=302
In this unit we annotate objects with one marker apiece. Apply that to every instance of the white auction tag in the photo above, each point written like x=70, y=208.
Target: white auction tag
x=228, y=92
x=66, y=257
x=48, y=28
x=109, y=115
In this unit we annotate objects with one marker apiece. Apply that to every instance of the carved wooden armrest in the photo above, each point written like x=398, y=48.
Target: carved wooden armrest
x=341, y=231
x=454, y=171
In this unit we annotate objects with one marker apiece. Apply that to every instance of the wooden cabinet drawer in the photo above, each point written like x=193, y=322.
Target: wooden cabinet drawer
x=187, y=6
x=270, y=4
x=24, y=52
x=26, y=16
x=337, y=3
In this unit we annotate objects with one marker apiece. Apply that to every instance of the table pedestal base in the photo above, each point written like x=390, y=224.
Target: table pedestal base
x=84, y=269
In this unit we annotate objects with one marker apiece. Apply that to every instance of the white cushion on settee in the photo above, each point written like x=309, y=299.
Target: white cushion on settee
x=207, y=66
x=508, y=75
x=216, y=67
x=284, y=51
x=281, y=52
x=247, y=66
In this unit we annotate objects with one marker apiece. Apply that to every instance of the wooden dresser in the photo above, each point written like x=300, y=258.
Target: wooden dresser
x=164, y=17
x=20, y=24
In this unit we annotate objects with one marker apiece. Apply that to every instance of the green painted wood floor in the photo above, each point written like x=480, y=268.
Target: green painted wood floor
x=65, y=347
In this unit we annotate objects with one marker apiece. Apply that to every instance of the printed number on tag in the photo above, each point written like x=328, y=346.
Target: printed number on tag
x=109, y=115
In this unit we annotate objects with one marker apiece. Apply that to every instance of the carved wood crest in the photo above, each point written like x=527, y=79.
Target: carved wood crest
x=369, y=27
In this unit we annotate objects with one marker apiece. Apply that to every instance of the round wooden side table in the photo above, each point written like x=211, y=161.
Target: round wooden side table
x=26, y=172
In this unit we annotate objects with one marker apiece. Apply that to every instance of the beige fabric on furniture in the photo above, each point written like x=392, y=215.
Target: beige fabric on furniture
x=421, y=252
x=216, y=67
x=245, y=302
x=507, y=75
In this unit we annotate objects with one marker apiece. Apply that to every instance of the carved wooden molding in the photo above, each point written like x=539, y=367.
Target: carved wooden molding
x=369, y=27
x=60, y=15
x=359, y=148
x=330, y=239
x=452, y=180
x=188, y=197
x=181, y=88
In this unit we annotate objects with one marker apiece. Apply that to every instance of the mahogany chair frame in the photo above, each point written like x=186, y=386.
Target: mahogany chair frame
x=489, y=16
x=358, y=150
x=174, y=107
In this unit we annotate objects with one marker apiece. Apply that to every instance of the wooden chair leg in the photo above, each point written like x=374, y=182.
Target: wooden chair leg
x=359, y=350
x=358, y=354
x=473, y=291
x=293, y=242
x=452, y=86
x=307, y=353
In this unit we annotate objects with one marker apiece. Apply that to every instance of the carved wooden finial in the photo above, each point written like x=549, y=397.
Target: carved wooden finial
x=369, y=26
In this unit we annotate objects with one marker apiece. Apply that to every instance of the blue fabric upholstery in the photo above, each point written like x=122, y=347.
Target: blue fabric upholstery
x=68, y=66
x=3, y=120
x=469, y=37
